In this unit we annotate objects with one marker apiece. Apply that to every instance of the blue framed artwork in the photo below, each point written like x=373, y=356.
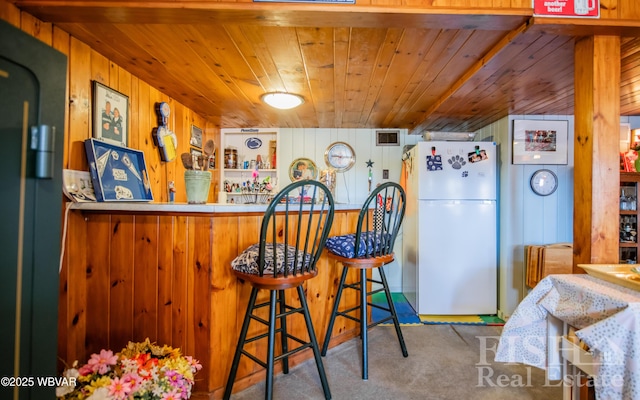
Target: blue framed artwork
x=117, y=173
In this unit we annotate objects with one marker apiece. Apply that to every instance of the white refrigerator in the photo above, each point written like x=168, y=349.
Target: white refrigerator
x=450, y=228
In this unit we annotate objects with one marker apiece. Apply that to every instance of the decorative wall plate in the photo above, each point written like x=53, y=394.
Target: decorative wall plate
x=302, y=168
x=253, y=143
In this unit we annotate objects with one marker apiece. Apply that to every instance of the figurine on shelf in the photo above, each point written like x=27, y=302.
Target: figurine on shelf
x=328, y=177
x=267, y=183
x=172, y=191
x=255, y=174
x=632, y=156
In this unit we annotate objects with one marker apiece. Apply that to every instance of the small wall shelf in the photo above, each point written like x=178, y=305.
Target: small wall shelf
x=628, y=247
x=248, y=145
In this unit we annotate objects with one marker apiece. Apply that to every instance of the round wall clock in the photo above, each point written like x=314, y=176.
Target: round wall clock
x=544, y=182
x=340, y=156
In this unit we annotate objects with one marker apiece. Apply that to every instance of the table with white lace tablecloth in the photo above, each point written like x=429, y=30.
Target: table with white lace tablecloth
x=606, y=318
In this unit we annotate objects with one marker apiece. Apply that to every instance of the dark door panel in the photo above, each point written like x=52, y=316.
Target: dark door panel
x=32, y=87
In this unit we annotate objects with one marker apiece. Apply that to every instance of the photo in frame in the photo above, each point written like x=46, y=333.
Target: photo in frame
x=196, y=137
x=110, y=115
x=540, y=142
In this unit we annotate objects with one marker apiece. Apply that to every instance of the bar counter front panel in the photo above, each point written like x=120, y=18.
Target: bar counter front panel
x=162, y=271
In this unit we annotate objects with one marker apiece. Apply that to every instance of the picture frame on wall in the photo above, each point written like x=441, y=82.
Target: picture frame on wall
x=196, y=137
x=540, y=142
x=117, y=173
x=110, y=115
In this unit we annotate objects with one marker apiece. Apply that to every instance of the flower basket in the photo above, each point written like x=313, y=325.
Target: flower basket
x=140, y=371
x=255, y=196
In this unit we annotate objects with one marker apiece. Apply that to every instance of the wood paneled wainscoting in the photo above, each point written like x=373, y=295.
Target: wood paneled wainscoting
x=162, y=271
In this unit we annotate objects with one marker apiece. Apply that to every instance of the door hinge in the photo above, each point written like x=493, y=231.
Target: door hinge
x=43, y=142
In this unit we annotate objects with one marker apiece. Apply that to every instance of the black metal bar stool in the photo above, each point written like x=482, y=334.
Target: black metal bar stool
x=370, y=247
x=292, y=236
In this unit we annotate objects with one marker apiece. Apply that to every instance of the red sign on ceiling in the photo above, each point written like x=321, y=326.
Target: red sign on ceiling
x=567, y=8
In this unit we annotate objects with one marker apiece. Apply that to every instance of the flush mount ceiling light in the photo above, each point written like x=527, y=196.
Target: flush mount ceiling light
x=283, y=101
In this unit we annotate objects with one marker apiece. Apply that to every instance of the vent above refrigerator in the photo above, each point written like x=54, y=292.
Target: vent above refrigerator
x=388, y=138
x=449, y=136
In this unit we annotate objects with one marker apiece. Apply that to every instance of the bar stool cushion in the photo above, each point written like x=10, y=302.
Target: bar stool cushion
x=345, y=245
x=247, y=261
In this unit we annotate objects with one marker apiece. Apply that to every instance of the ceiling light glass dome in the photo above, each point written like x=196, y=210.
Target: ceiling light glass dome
x=282, y=101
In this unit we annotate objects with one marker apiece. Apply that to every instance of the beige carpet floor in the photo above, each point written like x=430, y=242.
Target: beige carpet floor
x=448, y=362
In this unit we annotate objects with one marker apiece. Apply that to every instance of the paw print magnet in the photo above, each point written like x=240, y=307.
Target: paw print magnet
x=456, y=162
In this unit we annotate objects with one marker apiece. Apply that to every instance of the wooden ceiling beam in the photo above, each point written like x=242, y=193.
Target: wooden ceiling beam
x=423, y=124
x=587, y=26
x=275, y=14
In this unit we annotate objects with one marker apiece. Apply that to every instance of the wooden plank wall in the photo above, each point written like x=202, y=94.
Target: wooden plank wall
x=167, y=278
x=86, y=65
x=97, y=282
x=128, y=277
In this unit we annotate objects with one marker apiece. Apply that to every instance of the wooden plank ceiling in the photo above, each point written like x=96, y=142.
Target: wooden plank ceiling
x=355, y=70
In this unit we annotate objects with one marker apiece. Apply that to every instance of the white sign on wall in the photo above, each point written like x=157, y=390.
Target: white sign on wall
x=567, y=8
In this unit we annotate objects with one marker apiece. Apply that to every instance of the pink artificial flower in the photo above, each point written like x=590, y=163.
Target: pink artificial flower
x=119, y=389
x=85, y=370
x=195, y=364
x=133, y=380
x=173, y=395
x=175, y=379
x=101, y=362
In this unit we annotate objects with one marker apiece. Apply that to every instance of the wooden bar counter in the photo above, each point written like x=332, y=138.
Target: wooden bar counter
x=162, y=271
